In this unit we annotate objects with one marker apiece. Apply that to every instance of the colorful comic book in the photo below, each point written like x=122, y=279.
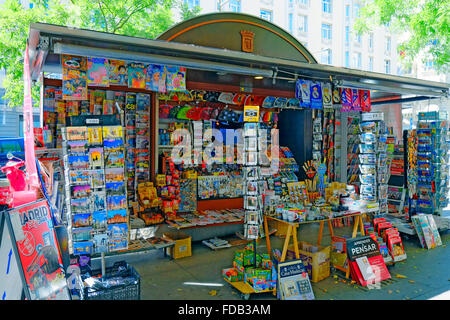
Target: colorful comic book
x=98, y=72
x=136, y=75
x=74, y=80
x=176, y=78
x=118, y=72
x=96, y=98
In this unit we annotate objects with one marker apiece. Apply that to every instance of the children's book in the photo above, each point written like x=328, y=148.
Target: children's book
x=82, y=234
x=76, y=133
x=95, y=135
x=98, y=72
x=118, y=72
x=83, y=247
x=116, y=203
x=78, y=162
x=117, y=216
x=114, y=175
x=81, y=220
x=99, y=219
x=96, y=158
x=176, y=78
x=100, y=243
x=156, y=78
x=112, y=132
x=74, y=80
x=136, y=75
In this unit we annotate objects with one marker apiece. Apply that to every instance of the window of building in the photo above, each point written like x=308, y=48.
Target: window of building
x=371, y=41
x=358, y=38
x=370, y=64
x=326, y=6
x=326, y=56
x=265, y=14
x=302, y=23
x=357, y=60
x=234, y=5
x=303, y=2
x=192, y=3
x=429, y=64
x=347, y=11
x=347, y=34
x=326, y=31
x=356, y=10
x=388, y=44
x=387, y=66
x=347, y=59
x=291, y=4
x=291, y=22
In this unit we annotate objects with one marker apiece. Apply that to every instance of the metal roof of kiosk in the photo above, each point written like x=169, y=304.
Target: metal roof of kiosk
x=215, y=43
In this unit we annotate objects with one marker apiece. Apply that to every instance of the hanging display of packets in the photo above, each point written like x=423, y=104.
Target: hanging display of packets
x=346, y=100
x=316, y=95
x=130, y=144
x=327, y=95
x=317, y=135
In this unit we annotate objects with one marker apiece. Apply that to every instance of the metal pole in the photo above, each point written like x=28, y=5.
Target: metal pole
x=103, y=265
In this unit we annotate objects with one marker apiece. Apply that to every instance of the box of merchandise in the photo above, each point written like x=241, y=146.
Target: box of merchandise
x=232, y=275
x=239, y=265
x=182, y=247
x=245, y=256
x=315, y=258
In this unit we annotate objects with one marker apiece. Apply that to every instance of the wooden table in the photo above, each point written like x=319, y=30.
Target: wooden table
x=292, y=232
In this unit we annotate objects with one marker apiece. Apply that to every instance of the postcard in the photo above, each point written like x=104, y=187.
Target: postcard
x=116, y=244
x=95, y=135
x=100, y=243
x=81, y=220
x=79, y=177
x=111, y=132
x=74, y=81
x=98, y=201
x=115, y=188
x=80, y=205
x=97, y=178
x=82, y=234
x=98, y=72
x=113, y=146
x=99, y=219
x=76, y=133
x=84, y=247
x=119, y=230
x=78, y=162
x=114, y=175
x=76, y=148
x=118, y=73
x=96, y=158
x=117, y=216
x=116, y=203
x=80, y=191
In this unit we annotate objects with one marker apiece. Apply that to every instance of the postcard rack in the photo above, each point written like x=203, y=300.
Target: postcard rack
x=96, y=201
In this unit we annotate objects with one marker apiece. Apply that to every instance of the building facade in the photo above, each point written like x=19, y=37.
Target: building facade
x=325, y=27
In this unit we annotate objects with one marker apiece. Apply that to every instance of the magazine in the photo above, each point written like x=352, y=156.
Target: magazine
x=96, y=98
x=98, y=72
x=118, y=72
x=72, y=108
x=136, y=75
x=74, y=81
x=156, y=78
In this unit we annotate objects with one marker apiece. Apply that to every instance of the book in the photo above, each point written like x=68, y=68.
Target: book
x=293, y=281
x=74, y=79
x=137, y=74
x=365, y=268
x=95, y=135
x=98, y=72
x=118, y=72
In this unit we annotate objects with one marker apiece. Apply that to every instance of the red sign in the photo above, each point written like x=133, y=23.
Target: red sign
x=38, y=250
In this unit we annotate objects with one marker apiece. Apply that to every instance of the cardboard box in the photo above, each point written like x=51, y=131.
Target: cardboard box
x=182, y=247
x=315, y=258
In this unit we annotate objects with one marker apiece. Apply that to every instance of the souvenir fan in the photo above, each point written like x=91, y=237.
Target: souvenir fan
x=249, y=100
x=293, y=103
x=198, y=95
x=227, y=115
x=280, y=103
x=214, y=114
x=212, y=96
x=267, y=116
x=205, y=114
x=274, y=117
x=310, y=168
x=185, y=96
x=261, y=115
x=239, y=99
x=164, y=111
x=173, y=96
x=182, y=113
x=268, y=102
x=226, y=97
x=194, y=113
x=173, y=112
x=258, y=100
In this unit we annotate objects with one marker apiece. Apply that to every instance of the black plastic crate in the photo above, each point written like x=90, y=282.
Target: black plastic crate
x=123, y=273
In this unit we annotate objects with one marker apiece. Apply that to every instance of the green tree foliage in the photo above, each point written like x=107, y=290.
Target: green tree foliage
x=141, y=18
x=187, y=13
x=425, y=22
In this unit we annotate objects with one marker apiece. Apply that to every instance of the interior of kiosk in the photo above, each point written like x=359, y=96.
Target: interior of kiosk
x=218, y=190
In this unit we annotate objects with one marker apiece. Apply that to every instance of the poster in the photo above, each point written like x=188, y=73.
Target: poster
x=118, y=73
x=363, y=252
x=293, y=281
x=176, y=78
x=98, y=72
x=74, y=82
x=38, y=251
x=156, y=78
x=136, y=75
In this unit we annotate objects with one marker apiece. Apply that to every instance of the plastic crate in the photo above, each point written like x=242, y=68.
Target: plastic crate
x=131, y=290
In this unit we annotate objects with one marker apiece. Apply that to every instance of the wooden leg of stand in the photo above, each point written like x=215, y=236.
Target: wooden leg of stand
x=294, y=238
x=330, y=227
x=355, y=226
x=266, y=230
x=361, y=226
x=319, y=239
x=286, y=243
